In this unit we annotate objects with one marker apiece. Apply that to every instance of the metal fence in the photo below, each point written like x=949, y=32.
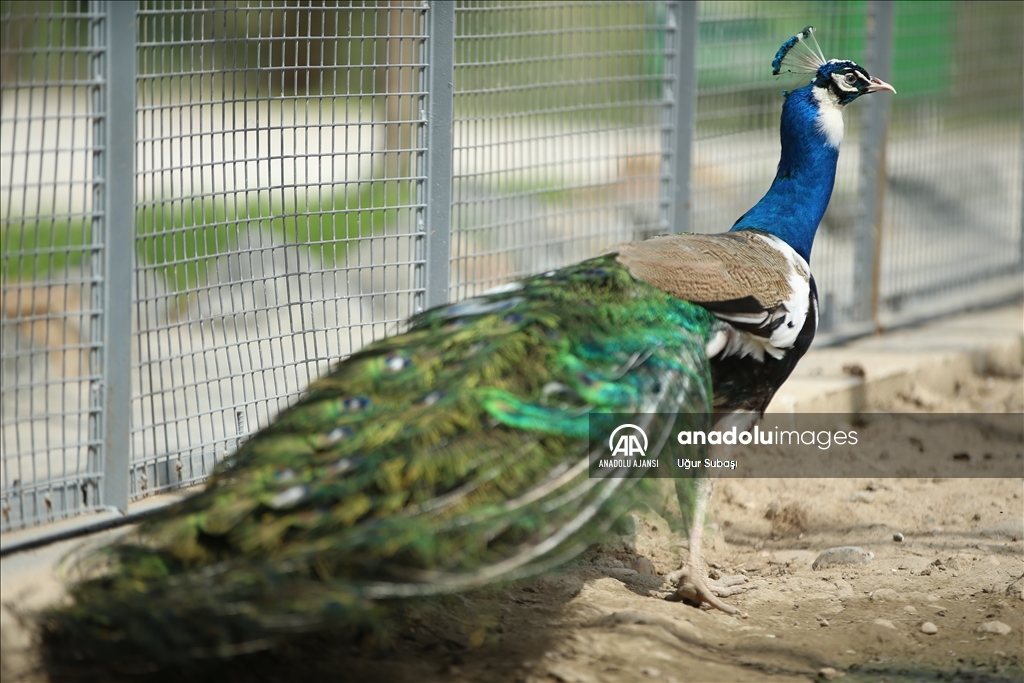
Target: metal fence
x=206, y=204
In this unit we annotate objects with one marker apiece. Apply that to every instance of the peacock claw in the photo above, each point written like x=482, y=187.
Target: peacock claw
x=694, y=588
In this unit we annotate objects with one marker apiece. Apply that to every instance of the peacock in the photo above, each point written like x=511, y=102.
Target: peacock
x=458, y=454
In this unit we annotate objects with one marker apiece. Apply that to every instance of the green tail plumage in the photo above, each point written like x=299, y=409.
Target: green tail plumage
x=443, y=459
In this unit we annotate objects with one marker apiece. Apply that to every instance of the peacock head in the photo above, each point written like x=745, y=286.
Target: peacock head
x=842, y=79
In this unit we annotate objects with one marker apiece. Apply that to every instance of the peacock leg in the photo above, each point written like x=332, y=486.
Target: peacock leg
x=692, y=583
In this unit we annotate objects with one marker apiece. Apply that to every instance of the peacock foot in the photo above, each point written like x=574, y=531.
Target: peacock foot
x=694, y=588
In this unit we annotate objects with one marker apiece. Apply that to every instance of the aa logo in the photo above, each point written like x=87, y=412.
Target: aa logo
x=628, y=441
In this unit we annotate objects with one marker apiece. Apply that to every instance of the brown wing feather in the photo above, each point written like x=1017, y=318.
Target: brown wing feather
x=710, y=269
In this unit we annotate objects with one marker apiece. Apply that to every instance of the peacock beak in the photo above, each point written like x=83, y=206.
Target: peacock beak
x=878, y=85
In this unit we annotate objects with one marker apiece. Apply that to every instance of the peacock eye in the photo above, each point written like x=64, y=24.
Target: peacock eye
x=851, y=79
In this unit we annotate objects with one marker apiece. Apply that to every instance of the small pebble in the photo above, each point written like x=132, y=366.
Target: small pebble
x=910, y=609
x=884, y=622
x=843, y=589
x=823, y=623
x=651, y=671
x=898, y=537
x=997, y=627
x=842, y=555
x=828, y=673
x=884, y=594
x=929, y=628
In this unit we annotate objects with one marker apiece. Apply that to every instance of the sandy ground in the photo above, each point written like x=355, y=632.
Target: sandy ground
x=945, y=602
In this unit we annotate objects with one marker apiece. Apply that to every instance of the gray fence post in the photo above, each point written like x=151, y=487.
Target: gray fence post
x=868, y=256
x=113, y=252
x=682, y=29
x=436, y=115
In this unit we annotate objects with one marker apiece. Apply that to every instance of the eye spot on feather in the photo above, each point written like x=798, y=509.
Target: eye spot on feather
x=288, y=497
x=596, y=272
x=340, y=467
x=335, y=435
x=397, y=363
x=514, y=318
x=355, y=403
x=432, y=398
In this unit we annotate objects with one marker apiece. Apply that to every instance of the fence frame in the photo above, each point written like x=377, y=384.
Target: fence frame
x=684, y=101
x=437, y=114
x=114, y=245
x=868, y=257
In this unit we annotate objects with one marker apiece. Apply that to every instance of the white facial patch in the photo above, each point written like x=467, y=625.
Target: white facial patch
x=830, y=116
x=849, y=81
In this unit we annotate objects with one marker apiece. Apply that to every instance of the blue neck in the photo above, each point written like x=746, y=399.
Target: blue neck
x=797, y=199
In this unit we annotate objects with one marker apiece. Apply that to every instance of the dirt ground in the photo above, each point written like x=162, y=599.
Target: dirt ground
x=944, y=603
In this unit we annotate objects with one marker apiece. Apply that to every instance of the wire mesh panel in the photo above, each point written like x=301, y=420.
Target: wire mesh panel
x=562, y=139
x=952, y=227
x=277, y=208
x=738, y=109
x=51, y=99
x=283, y=218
